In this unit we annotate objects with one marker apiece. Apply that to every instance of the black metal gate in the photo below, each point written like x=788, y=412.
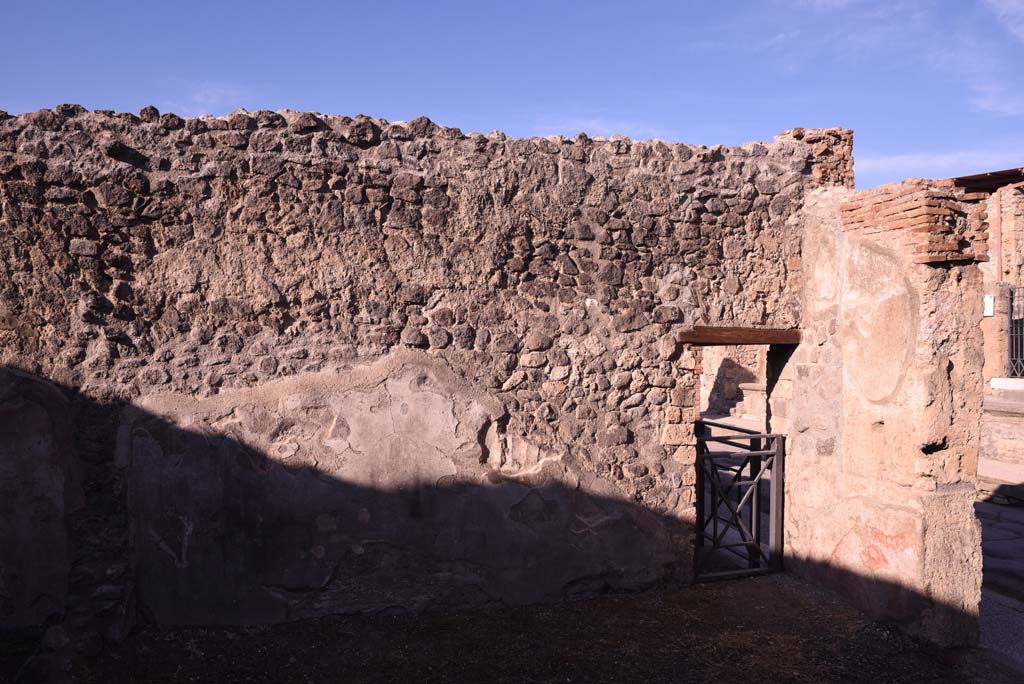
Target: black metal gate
x=739, y=494
x=1015, y=334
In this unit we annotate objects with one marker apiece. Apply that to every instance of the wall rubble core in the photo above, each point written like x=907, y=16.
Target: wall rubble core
x=326, y=364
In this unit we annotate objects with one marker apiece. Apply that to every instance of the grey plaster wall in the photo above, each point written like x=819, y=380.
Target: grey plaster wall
x=38, y=490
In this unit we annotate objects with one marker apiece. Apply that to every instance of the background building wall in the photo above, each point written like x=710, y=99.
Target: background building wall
x=1001, y=466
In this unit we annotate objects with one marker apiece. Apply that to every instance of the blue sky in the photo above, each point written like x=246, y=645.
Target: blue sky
x=931, y=89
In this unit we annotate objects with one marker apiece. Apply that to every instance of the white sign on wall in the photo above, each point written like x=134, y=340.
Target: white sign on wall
x=990, y=305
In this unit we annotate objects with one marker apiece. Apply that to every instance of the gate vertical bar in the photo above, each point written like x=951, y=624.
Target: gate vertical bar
x=712, y=471
x=733, y=465
x=701, y=432
x=1015, y=333
x=777, y=501
x=754, y=551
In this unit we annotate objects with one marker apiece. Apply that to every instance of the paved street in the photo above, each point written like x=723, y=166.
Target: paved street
x=1002, y=605
x=1003, y=546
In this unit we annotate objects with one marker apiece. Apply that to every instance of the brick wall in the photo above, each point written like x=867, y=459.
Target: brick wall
x=929, y=221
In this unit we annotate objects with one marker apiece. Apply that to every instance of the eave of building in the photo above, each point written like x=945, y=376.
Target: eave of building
x=990, y=181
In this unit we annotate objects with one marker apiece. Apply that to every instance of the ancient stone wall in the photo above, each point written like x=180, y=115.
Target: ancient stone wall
x=318, y=364
x=886, y=406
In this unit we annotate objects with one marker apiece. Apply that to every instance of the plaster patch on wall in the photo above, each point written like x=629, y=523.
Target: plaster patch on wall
x=879, y=320
x=421, y=499
x=37, y=490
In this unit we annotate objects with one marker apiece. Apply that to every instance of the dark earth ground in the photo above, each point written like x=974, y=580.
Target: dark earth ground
x=767, y=629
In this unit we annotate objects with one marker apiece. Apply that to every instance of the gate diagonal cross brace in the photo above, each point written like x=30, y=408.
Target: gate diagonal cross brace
x=735, y=519
x=713, y=471
x=729, y=471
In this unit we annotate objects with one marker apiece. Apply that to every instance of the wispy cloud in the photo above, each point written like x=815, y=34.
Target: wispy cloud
x=995, y=97
x=866, y=8
x=1010, y=14
x=921, y=32
x=978, y=64
x=206, y=98
x=941, y=164
x=597, y=125
x=823, y=4
x=994, y=88
x=774, y=41
x=986, y=84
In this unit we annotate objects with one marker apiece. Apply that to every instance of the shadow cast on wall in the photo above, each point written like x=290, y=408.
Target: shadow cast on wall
x=134, y=517
x=215, y=529
x=726, y=392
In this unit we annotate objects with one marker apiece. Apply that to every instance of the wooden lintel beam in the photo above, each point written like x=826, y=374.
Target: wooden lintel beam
x=710, y=335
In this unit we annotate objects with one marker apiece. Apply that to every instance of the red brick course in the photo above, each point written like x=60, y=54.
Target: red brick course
x=928, y=221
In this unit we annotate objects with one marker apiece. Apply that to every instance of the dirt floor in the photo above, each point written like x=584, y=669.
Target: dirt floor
x=769, y=629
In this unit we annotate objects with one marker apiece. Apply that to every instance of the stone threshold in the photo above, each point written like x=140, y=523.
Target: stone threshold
x=1008, y=384
x=1008, y=405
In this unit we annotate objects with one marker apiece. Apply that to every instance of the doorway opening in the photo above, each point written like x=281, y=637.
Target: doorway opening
x=745, y=390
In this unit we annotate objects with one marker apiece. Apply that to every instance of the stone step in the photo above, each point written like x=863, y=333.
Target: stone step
x=1002, y=472
x=1007, y=384
x=1004, y=402
x=998, y=492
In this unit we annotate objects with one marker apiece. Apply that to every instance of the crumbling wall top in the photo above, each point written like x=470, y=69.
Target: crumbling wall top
x=831, y=161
